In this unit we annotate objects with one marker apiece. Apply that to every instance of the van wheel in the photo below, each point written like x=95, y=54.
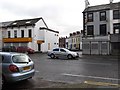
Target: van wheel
x=69, y=56
x=52, y=56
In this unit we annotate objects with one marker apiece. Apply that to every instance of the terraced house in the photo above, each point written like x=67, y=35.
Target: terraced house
x=101, y=29
x=74, y=41
x=33, y=33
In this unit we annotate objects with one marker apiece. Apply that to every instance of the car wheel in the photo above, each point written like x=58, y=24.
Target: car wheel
x=69, y=56
x=52, y=56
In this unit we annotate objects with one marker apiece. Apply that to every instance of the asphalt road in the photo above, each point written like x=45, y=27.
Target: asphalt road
x=85, y=69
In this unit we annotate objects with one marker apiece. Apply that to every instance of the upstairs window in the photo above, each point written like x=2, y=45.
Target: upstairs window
x=90, y=30
x=103, y=29
x=90, y=17
x=22, y=33
x=8, y=34
x=15, y=34
x=29, y=33
x=116, y=14
x=102, y=16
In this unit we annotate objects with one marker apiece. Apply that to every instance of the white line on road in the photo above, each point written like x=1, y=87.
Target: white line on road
x=84, y=76
x=96, y=63
x=37, y=71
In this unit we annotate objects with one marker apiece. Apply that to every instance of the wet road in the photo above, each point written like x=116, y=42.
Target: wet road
x=83, y=69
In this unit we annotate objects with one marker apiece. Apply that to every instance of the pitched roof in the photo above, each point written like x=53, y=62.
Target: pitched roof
x=49, y=29
x=103, y=7
x=24, y=22
x=5, y=24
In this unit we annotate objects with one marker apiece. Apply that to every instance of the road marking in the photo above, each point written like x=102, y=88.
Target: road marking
x=101, y=83
x=84, y=76
x=37, y=71
x=96, y=63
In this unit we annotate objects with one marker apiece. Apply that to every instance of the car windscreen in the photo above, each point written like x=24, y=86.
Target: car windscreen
x=20, y=59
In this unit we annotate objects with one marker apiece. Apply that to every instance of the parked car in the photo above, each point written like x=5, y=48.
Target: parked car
x=62, y=52
x=16, y=67
x=25, y=49
x=9, y=49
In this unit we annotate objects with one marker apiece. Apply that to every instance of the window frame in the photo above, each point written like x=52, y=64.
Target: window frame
x=29, y=33
x=15, y=33
x=90, y=17
x=116, y=26
x=91, y=31
x=116, y=14
x=102, y=17
x=103, y=31
x=22, y=34
x=9, y=34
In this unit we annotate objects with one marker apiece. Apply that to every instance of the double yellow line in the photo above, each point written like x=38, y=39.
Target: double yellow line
x=102, y=83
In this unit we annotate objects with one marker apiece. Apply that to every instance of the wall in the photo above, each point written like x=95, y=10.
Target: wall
x=96, y=47
x=0, y=38
x=51, y=38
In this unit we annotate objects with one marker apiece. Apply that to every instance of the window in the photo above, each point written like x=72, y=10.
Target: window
x=103, y=29
x=102, y=16
x=116, y=14
x=20, y=59
x=30, y=33
x=62, y=50
x=15, y=34
x=90, y=17
x=90, y=30
x=8, y=34
x=116, y=28
x=22, y=33
x=56, y=49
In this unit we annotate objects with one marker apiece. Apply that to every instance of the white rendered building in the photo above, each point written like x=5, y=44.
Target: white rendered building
x=33, y=33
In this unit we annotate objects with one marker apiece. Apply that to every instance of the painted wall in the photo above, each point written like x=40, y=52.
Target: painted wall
x=51, y=40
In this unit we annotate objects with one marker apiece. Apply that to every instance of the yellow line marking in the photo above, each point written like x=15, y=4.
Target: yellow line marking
x=101, y=83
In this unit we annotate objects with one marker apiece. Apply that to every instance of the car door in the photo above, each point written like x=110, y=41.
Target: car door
x=63, y=53
x=56, y=52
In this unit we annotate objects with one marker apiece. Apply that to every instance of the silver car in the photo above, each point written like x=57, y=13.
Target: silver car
x=16, y=67
x=62, y=52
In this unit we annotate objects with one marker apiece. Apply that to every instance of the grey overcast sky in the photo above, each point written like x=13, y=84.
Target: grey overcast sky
x=64, y=16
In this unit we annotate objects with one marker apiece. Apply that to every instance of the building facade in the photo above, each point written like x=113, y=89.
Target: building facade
x=75, y=41
x=3, y=28
x=101, y=25
x=33, y=33
x=62, y=42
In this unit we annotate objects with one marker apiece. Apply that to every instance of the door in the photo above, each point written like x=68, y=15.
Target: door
x=48, y=46
x=39, y=47
x=63, y=53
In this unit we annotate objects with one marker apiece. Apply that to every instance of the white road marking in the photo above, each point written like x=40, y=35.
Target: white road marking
x=37, y=71
x=96, y=63
x=84, y=76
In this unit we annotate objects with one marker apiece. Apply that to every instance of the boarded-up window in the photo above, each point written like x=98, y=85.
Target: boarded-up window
x=94, y=46
x=86, y=46
x=104, y=46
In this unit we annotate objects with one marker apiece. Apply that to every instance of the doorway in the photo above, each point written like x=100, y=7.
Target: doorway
x=39, y=47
